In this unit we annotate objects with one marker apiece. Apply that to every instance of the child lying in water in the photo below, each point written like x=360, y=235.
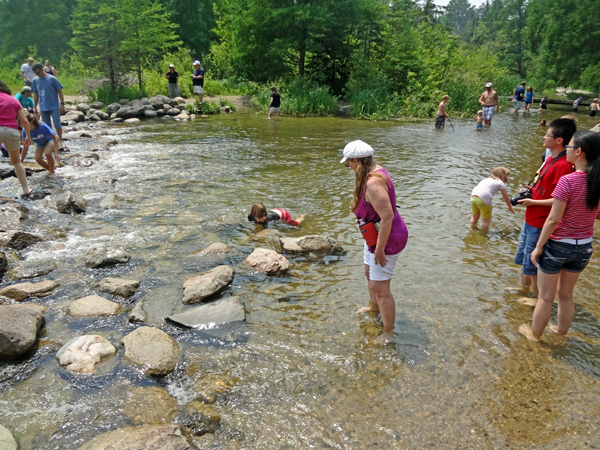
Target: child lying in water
x=259, y=214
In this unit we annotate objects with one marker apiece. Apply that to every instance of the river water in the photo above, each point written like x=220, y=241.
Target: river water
x=303, y=372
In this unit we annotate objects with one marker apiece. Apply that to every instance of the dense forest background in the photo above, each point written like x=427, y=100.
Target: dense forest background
x=386, y=57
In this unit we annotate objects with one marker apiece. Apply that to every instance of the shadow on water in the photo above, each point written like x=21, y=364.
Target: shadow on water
x=303, y=371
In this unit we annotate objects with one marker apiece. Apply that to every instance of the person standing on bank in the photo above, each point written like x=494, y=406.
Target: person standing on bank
x=487, y=100
x=27, y=72
x=47, y=91
x=49, y=69
x=274, y=103
x=10, y=110
x=565, y=245
x=198, y=80
x=173, y=84
x=383, y=229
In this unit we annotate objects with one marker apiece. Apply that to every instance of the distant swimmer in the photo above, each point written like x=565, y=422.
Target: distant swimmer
x=488, y=100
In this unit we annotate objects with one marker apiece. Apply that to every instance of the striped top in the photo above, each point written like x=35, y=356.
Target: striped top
x=577, y=221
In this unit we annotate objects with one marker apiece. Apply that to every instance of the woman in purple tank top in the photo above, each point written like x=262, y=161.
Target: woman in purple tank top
x=375, y=202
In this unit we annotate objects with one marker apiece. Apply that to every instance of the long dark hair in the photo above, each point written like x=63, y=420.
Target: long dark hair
x=589, y=143
x=4, y=88
x=31, y=118
x=362, y=175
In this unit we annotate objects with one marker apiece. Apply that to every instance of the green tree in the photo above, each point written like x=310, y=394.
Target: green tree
x=196, y=21
x=146, y=33
x=30, y=23
x=98, y=38
x=460, y=15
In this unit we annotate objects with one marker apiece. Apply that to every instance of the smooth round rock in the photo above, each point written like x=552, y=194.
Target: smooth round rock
x=153, y=349
x=267, y=261
x=93, y=305
x=7, y=440
x=200, y=288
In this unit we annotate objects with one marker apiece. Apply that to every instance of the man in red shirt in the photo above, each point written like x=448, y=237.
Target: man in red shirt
x=559, y=134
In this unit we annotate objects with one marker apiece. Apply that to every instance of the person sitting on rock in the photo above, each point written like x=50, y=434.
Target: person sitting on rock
x=45, y=140
x=259, y=214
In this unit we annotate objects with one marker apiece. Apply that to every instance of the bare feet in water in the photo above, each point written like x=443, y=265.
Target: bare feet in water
x=367, y=309
x=527, y=301
x=384, y=338
x=526, y=331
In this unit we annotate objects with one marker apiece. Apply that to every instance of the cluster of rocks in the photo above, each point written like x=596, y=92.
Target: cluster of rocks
x=129, y=111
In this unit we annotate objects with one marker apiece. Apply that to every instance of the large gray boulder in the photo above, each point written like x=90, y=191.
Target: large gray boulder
x=70, y=203
x=201, y=287
x=152, y=348
x=83, y=353
x=97, y=105
x=23, y=291
x=222, y=311
x=83, y=107
x=267, y=261
x=132, y=120
x=11, y=215
x=315, y=244
x=19, y=327
x=150, y=113
x=33, y=269
x=158, y=437
x=7, y=440
x=134, y=110
x=156, y=102
x=106, y=256
x=120, y=287
x=172, y=112
x=73, y=116
x=93, y=305
x=113, y=108
x=18, y=239
x=102, y=115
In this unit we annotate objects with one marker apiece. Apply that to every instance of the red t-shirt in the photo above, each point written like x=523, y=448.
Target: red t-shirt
x=536, y=215
x=578, y=221
x=9, y=107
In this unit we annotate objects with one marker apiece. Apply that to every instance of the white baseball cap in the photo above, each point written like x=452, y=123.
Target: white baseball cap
x=196, y=63
x=357, y=149
x=171, y=65
x=488, y=85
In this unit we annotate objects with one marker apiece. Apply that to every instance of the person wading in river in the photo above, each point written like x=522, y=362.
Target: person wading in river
x=489, y=99
x=385, y=233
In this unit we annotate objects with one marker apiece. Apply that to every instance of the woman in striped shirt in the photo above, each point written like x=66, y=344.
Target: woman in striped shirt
x=565, y=245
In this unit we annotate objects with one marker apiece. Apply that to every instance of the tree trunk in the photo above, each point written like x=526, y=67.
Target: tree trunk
x=302, y=52
x=139, y=71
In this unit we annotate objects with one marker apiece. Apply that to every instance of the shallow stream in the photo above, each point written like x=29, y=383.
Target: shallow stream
x=303, y=372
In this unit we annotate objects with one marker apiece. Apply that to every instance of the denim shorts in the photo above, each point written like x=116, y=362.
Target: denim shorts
x=559, y=256
x=527, y=242
x=46, y=115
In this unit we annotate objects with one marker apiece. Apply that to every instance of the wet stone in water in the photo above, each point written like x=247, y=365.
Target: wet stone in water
x=268, y=261
x=162, y=437
x=83, y=353
x=217, y=248
x=18, y=239
x=201, y=287
x=93, y=305
x=121, y=287
x=149, y=406
x=153, y=349
x=138, y=314
x=321, y=245
x=19, y=328
x=3, y=264
x=70, y=203
x=33, y=269
x=106, y=256
x=202, y=418
x=23, y=291
x=7, y=440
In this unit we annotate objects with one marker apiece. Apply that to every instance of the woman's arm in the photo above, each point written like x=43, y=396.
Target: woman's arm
x=377, y=195
x=556, y=214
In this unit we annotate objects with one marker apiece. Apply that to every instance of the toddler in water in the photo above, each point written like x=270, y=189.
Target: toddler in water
x=481, y=197
x=479, y=119
x=259, y=214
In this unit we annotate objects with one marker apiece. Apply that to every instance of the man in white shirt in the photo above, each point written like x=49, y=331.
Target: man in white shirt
x=27, y=72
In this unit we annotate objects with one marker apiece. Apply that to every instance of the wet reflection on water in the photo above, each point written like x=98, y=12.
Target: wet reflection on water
x=304, y=372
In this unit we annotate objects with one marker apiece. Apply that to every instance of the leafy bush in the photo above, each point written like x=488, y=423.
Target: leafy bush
x=301, y=97
x=154, y=78
x=230, y=86
x=107, y=95
x=207, y=108
x=224, y=102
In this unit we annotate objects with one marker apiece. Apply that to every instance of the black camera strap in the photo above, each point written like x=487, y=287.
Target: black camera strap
x=560, y=155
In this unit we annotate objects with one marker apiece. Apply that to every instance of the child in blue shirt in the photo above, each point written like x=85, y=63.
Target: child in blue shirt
x=45, y=140
x=528, y=98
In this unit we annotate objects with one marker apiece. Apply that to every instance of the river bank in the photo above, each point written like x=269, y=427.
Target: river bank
x=302, y=369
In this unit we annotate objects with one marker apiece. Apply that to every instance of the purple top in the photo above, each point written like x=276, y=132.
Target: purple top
x=399, y=233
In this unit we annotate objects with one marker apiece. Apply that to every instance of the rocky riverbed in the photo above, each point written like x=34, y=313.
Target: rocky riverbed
x=107, y=307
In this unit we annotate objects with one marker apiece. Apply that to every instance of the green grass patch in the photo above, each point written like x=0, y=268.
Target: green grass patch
x=300, y=98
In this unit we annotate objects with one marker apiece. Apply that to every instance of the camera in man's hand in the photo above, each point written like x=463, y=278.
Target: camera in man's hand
x=526, y=193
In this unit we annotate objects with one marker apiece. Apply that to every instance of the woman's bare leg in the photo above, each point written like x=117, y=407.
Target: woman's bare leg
x=15, y=160
x=386, y=304
x=372, y=298
x=543, y=308
x=566, y=306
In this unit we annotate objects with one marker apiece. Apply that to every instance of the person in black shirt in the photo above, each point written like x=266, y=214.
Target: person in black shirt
x=173, y=78
x=274, y=103
x=198, y=80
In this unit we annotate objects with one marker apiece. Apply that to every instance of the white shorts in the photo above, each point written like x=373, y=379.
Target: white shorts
x=376, y=272
x=198, y=90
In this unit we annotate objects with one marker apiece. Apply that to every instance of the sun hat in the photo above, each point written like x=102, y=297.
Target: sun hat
x=488, y=85
x=171, y=65
x=196, y=63
x=25, y=89
x=357, y=149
